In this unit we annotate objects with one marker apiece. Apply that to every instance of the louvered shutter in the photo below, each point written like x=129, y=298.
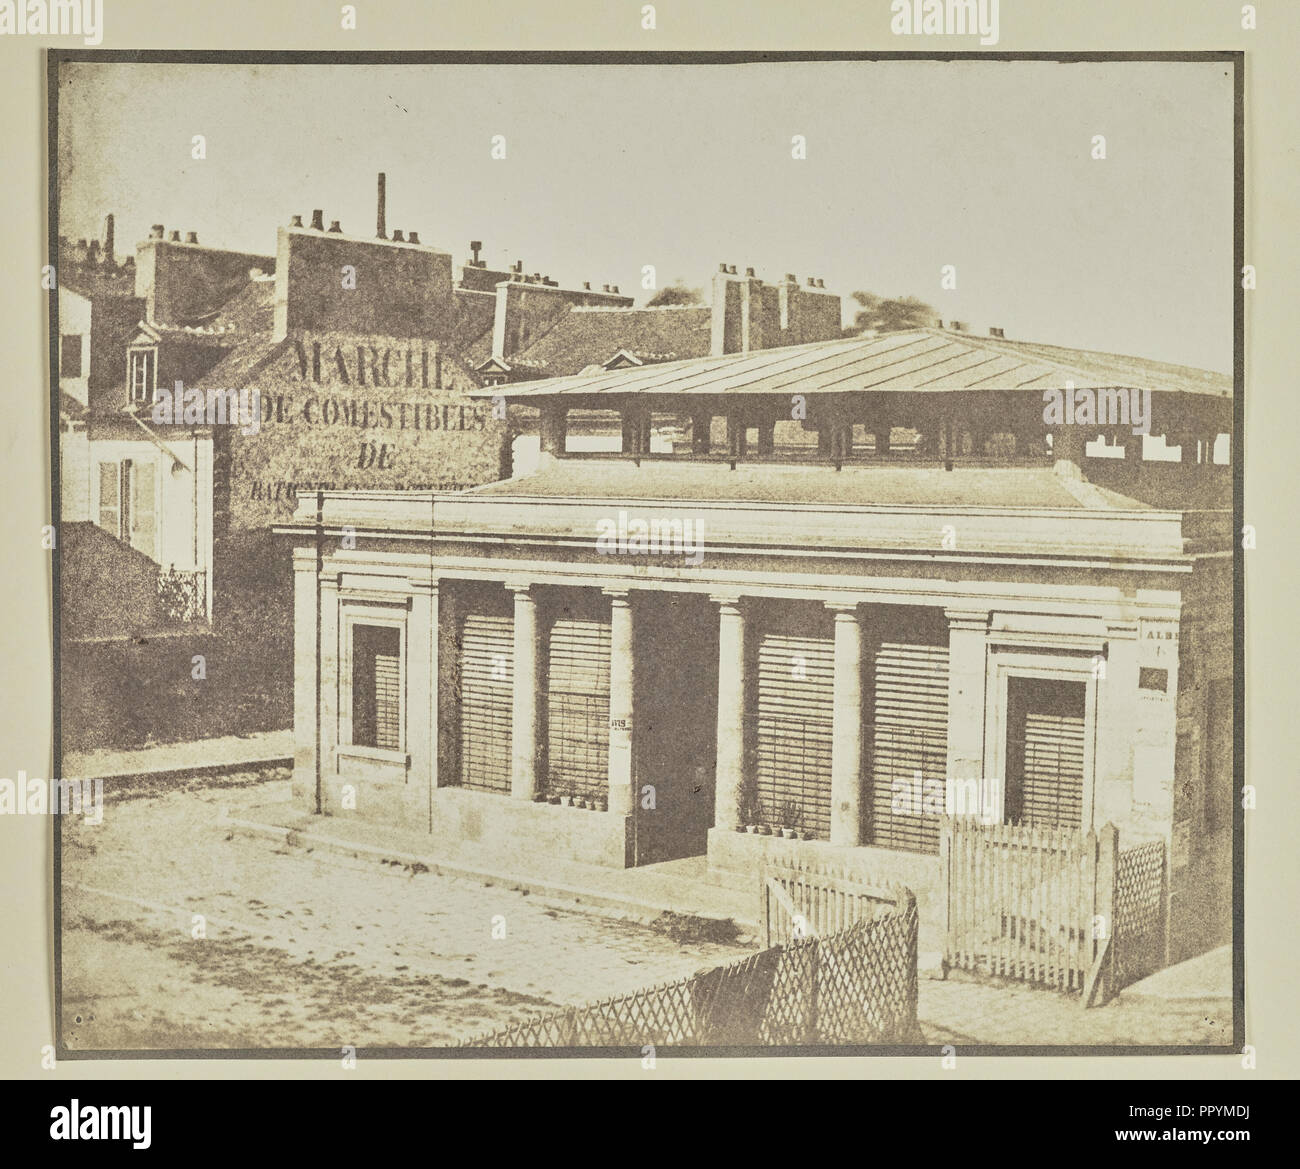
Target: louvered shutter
x=144, y=508
x=377, y=687
x=486, y=686
x=792, y=732
x=910, y=735
x=577, y=708
x=110, y=498
x=1053, y=770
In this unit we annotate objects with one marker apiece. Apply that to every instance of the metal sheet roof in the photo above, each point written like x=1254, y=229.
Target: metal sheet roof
x=926, y=360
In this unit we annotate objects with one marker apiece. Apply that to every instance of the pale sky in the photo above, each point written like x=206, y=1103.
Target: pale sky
x=910, y=166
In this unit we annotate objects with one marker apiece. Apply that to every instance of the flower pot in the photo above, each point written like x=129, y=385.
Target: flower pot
x=764, y=830
x=552, y=799
x=602, y=805
x=805, y=835
x=788, y=833
x=584, y=804
x=568, y=801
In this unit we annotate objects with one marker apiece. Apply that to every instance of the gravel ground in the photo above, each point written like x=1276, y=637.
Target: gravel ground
x=304, y=950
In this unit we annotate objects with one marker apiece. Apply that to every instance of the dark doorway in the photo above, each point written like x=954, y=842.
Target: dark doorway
x=675, y=724
x=1045, y=752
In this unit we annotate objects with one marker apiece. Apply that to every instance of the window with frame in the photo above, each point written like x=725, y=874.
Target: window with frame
x=142, y=373
x=377, y=687
x=70, y=355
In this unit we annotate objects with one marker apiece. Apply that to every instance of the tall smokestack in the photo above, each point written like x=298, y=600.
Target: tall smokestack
x=108, y=237
x=381, y=227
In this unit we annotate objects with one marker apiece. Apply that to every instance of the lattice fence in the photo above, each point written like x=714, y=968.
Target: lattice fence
x=183, y=595
x=854, y=987
x=1139, y=912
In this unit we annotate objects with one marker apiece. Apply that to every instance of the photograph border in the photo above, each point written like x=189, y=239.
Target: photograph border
x=57, y=57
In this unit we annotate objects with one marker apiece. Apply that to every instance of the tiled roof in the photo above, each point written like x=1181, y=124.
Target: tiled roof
x=591, y=336
x=927, y=360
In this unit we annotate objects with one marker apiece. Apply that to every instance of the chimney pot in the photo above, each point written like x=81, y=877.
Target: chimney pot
x=476, y=246
x=732, y=269
x=994, y=331
x=413, y=237
x=318, y=220
x=811, y=282
x=722, y=267
x=191, y=237
x=614, y=289
x=586, y=284
x=296, y=221
x=399, y=237
x=821, y=283
x=334, y=226
x=791, y=278
x=156, y=231
x=92, y=251
x=176, y=237
x=749, y=271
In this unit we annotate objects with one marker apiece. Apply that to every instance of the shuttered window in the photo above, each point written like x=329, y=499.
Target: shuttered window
x=791, y=732
x=486, y=685
x=577, y=708
x=377, y=687
x=1045, y=741
x=909, y=736
x=110, y=498
x=144, y=507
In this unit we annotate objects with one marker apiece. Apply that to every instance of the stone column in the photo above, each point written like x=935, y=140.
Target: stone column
x=701, y=421
x=306, y=697
x=967, y=673
x=731, y=713
x=766, y=436
x=846, y=729
x=422, y=694
x=554, y=422
x=622, y=778
x=329, y=681
x=524, y=721
x=1068, y=443
x=736, y=445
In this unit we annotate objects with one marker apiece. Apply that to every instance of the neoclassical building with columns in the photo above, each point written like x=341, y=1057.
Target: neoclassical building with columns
x=868, y=573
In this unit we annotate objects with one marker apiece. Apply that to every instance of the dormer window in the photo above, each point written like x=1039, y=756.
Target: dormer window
x=142, y=373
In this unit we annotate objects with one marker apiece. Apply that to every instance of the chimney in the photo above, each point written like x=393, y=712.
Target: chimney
x=586, y=284
x=413, y=238
x=517, y=266
x=732, y=269
x=791, y=278
x=722, y=267
x=109, y=252
x=994, y=331
x=191, y=237
x=399, y=236
x=476, y=246
x=811, y=282
x=381, y=225
x=749, y=272
x=157, y=231
x=614, y=289
x=296, y=221
x=92, y=252
x=318, y=220
x=176, y=237
x=334, y=227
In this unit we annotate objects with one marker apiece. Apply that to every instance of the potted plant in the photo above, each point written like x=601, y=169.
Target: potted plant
x=791, y=815
x=750, y=812
x=602, y=804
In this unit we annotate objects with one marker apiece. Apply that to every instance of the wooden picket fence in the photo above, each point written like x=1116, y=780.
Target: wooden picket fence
x=1031, y=903
x=801, y=900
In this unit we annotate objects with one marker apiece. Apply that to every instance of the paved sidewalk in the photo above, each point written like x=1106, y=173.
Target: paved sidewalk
x=229, y=753
x=640, y=894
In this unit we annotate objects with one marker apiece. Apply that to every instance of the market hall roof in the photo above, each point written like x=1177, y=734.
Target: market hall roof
x=925, y=360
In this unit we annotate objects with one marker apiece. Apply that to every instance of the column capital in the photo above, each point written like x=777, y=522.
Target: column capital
x=728, y=600
x=521, y=587
x=618, y=596
x=845, y=610
x=973, y=619
x=423, y=587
